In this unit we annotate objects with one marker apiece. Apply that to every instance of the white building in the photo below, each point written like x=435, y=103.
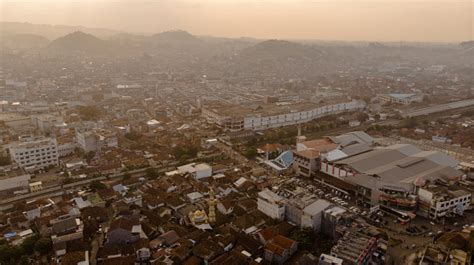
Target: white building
x=96, y=140
x=32, y=154
x=438, y=201
x=404, y=99
x=13, y=182
x=198, y=171
x=66, y=148
x=236, y=118
x=313, y=214
x=271, y=204
x=87, y=141
x=326, y=259
x=46, y=122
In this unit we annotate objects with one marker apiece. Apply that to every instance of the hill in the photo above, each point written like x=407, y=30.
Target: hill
x=278, y=49
x=23, y=41
x=175, y=36
x=52, y=31
x=79, y=41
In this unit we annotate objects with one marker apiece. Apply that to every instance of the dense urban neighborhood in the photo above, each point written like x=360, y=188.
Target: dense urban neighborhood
x=183, y=149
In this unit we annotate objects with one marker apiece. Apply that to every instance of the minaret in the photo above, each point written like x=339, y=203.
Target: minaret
x=212, y=206
x=299, y=138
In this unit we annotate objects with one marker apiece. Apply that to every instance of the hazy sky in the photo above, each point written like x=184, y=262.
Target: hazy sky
x=381, y=20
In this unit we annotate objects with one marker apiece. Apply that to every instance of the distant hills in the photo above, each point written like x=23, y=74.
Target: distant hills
x=280, y=49
x=79, y=41
x=175, y=36
x=23, y=40
x=51, y=31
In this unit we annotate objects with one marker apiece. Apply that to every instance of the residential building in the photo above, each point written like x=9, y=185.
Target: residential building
x=279, y=249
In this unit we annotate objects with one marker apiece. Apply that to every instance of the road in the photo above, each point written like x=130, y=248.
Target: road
x=439, y=108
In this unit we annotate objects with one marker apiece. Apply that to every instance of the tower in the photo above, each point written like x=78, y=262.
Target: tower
x=299, y=138
x=212, y=206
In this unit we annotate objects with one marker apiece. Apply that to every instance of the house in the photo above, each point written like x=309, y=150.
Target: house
x=280, y=249
x=64, y=224
x=121, y=232
x=225, y=207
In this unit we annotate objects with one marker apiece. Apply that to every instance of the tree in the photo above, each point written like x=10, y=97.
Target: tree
x=126, y=176
x=96, y=185
x=43, y=245
x=88, y=156
x=151, y=173
x=4, y=160
x=10, y=254
x=305, y=237
x=250, y=153
x=29, y=244
x=133, y=136
x=90, y=113
x=410, y=123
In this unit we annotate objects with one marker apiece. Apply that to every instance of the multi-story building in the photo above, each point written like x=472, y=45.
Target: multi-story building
x=437, y=201
x=46, y=122
x=66, y=146
x=36, y=153
x=404, y=99
x=95, y=140
x=87, y=141
x=271, y=204
x=355, y=248
x=265, y=116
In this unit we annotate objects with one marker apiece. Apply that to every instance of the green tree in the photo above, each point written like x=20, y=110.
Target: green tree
x=29, y=244
x=133, y=136
x=90, y=113
x=97, y=185
x=43, y=245
x=10, y=254
x=410, y=123
x=151, y=173
x=250, y=153
x=305, y=238
x=4, y=160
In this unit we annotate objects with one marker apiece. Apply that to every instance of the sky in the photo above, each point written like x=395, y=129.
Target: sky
x=348, y=20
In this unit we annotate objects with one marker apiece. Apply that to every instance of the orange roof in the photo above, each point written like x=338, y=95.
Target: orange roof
x=274, y=248
x=283, y=241
x=308, y=153
x=321, y=145
x=271, y=147
x=267, y=233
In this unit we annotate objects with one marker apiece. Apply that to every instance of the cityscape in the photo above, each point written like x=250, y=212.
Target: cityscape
x=174, y=147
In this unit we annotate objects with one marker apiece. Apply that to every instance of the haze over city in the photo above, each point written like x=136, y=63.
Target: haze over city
x=239, y=132
x=366, y=20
